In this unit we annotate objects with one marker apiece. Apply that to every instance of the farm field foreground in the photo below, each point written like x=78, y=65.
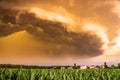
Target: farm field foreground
x=58, y=74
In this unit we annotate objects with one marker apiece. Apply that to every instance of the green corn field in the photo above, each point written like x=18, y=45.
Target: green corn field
x=59, y=74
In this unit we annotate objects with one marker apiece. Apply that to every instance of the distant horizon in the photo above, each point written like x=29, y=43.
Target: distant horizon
x=102, y=63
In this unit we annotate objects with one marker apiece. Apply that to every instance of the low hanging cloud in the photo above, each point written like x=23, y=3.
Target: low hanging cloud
x=56, y=37
x=59, y=40
x=8, y=21
x=64, y=42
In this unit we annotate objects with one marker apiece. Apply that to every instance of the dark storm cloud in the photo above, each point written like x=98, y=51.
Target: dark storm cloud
x=8, y=22
x=55, y=36
x=58, y=40
x=7, y=29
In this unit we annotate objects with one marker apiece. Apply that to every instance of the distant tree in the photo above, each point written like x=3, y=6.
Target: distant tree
x=97, y=66
x=112, y=66
x=78, y=67
x=118, y=65
x=58, y=67
x=105, y=64
x=75, y=66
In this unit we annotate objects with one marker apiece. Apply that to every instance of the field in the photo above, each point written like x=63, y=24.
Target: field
x=59, y=74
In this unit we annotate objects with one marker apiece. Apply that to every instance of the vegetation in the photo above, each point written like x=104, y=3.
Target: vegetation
x=105, y=64
x=58, y=74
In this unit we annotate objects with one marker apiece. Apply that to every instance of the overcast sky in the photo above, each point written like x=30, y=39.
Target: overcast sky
x=52, y=32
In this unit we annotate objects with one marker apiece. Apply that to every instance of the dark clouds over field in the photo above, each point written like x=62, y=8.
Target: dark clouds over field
x=15, y=16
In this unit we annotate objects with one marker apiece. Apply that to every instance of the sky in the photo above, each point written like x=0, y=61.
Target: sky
x=64, y=32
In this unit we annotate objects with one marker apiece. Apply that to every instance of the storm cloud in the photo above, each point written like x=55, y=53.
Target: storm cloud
x=64, y=42
x=55, y=35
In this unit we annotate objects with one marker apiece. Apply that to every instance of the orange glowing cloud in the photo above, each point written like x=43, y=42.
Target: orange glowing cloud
x=51, y=16
x=34, y=32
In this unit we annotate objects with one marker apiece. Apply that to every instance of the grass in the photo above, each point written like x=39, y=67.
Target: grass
x=58, y=74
